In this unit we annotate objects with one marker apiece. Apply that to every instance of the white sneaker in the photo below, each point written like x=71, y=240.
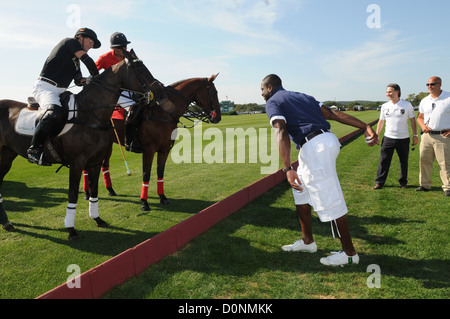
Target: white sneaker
x=299, y=245
x=339, y=259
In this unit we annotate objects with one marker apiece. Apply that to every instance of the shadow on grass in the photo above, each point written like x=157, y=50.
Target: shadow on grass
x=92, y=241
x=30, y=197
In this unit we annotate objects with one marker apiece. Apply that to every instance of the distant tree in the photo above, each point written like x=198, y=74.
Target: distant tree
x=415, y=99
x=250, y=107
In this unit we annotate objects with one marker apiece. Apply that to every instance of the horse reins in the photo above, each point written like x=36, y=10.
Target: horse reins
x=148, y=96
x=193, y=115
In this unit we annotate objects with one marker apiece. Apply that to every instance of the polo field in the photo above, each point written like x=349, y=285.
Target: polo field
x=401, y=235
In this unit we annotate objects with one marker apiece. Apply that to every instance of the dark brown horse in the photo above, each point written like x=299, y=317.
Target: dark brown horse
x=159, y=123
x=86, y=144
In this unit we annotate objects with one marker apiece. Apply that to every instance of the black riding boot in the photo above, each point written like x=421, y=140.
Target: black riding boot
x=132, y=140
x=36, y=150
x=132, y=143
x=50, y=124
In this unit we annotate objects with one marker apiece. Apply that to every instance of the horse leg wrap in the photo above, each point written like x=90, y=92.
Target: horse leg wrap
x=69, y=221
x=160, y=186
x=144, y=193
x=106, y=177
x=85, y=181
x=93, y=208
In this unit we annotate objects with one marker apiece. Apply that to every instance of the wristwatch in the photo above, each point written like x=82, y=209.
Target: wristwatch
x=287, y=169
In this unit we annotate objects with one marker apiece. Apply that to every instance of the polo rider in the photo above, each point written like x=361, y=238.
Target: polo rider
x=61, y=67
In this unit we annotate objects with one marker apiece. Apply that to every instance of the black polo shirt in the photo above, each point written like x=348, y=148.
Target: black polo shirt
x=62, y=66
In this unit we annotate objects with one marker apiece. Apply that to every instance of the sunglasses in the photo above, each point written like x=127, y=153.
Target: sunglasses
x=431, y=84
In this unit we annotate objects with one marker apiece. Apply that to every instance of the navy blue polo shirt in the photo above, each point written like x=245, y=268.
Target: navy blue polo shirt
x=301, y=113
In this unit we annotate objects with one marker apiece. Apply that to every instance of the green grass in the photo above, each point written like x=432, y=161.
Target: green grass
x=404, y=232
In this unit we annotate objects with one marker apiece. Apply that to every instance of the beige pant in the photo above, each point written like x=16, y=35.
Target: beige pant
x=434, y=147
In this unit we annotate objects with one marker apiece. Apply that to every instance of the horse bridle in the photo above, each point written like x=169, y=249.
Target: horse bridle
x=195, y=112
x=146, y=95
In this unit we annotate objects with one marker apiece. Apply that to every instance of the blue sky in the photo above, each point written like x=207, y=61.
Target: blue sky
x=325, y=48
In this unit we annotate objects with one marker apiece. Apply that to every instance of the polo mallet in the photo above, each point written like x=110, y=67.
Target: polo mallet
x=120, y=145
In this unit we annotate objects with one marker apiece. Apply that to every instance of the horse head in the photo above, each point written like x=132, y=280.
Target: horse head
x=208, y=99
x=135, y=75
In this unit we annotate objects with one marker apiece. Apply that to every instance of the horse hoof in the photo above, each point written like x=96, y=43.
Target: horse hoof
x=73, y=235
x=101, y=223
x=111, y=191
x=8, y=227
x=144, y=205
x=163, y=200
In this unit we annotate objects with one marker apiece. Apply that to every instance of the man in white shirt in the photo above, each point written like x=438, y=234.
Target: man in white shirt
x=395, y=114
x=434, y=120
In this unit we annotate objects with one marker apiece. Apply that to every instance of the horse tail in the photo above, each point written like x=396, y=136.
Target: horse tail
x=5, y=106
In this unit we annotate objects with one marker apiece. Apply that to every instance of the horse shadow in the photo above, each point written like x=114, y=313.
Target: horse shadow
x=42, y=197
x=92, y=240
x=178, y=205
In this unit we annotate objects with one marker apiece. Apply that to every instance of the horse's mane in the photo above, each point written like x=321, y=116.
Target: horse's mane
x=92, y=85
x=182, y=81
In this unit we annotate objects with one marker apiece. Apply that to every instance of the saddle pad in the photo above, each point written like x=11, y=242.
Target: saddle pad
x=26, y=121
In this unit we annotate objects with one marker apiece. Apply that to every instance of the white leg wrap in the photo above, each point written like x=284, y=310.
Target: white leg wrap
x=70, y=215
x=93, y=208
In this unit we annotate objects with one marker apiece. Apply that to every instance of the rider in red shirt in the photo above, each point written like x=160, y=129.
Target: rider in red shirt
x=107, y=60
x=119, y=42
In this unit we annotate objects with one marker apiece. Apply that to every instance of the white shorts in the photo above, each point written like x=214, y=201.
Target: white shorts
x=47, y=94
x=320, y=183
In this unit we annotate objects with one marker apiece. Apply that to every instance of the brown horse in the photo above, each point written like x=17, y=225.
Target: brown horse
x=85, y=145
x=158, y=124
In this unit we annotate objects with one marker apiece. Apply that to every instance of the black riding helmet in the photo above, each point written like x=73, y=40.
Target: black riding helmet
x=118, y=39
x=86, y=32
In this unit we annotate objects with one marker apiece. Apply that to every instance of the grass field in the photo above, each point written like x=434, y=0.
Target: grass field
x=403, y=232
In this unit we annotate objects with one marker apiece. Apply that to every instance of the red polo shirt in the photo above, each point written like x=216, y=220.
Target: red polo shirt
x=106, y=60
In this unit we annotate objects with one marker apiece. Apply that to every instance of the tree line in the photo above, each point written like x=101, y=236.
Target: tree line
x=413, y=98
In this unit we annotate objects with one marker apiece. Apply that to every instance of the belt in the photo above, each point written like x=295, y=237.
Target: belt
x=438, y=132
x=311, y=136
x=49, y=81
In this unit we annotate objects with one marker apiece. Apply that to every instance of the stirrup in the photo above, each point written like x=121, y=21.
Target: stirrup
x=36, y=156
x=134, y=147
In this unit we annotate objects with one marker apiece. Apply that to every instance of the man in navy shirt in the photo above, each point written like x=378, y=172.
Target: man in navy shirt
x=302, y=119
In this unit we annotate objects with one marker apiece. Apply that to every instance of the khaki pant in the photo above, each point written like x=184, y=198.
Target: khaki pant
x=434, y=147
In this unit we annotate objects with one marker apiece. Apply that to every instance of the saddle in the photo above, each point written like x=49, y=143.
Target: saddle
x=33, y=105
x=28, y=117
